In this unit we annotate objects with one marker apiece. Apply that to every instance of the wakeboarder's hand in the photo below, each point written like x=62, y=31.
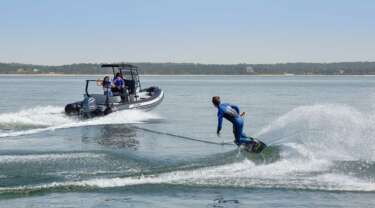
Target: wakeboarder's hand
x=218, y=133
x=243, y=114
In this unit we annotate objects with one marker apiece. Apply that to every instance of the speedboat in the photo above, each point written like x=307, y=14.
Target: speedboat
x=133, y=97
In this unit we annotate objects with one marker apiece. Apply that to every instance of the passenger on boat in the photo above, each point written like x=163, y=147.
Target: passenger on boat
x=119, y=84
x=107, y=86
x=119, y=87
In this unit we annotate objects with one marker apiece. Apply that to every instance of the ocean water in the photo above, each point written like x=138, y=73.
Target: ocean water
x=320, y=129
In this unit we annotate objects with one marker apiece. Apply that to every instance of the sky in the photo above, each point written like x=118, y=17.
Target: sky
x=52, y=32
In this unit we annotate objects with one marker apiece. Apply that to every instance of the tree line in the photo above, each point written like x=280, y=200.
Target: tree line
x=340, y=68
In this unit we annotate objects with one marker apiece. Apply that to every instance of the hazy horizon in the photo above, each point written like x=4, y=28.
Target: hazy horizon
x=210, y=32
x=148, y=62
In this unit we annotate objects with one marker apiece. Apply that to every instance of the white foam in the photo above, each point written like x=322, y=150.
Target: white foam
x=234, y=172
x=331, y=131
x=49, y=157
x=38, y=116
x=345, y=183
x=54, y=119
x=282, y=174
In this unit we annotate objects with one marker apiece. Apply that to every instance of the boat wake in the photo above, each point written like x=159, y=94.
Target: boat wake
x=331, y=151
x=49, y=118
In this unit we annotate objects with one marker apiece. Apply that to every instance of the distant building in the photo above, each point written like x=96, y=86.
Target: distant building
x=20, y=70
x=35, y=70
x=289, y=74
x=249, y=69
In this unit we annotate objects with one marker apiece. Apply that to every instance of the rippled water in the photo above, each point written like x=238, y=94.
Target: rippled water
x=320, y=130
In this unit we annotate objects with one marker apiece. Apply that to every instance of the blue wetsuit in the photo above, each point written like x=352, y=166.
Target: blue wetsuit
x=232, y=114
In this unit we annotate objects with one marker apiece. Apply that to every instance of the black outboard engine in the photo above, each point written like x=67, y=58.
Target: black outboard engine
x=73, y=108
x=89, y=106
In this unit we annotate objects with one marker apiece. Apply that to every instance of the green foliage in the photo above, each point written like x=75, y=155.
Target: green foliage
x=355, y=68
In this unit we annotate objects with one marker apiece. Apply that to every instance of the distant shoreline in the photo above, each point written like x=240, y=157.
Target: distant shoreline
x=195, y=69
x=191, y=75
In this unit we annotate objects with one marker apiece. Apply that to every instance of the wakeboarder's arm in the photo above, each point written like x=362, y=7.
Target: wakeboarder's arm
x=219, y=121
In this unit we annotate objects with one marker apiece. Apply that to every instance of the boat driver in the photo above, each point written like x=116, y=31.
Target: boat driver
x=119, y=87
x=118, y=84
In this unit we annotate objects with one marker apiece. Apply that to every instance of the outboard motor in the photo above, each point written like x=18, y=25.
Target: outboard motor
x=89, y=106
x=73, y=108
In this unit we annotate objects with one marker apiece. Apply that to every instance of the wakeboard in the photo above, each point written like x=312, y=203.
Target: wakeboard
x=256, y=146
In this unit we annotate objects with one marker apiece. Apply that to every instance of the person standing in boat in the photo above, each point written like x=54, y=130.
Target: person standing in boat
x=232, y=114
x=107, y=86
x=118, y=84
x=119, y=87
